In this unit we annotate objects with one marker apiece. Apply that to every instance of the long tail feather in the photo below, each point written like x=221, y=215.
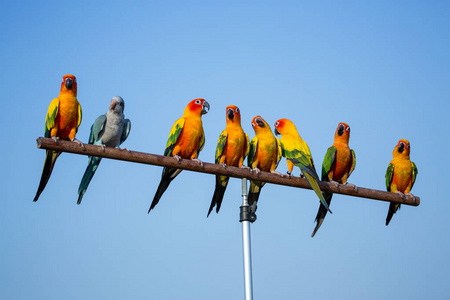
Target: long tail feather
x=322, y=212
x=87, y=177
x=253, y=193
x=50, y=159
x=168, y=175
x=315, y=186
x=221, y=186
x=392, y=210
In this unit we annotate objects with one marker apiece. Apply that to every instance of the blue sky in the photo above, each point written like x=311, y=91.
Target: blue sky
x=379, y=66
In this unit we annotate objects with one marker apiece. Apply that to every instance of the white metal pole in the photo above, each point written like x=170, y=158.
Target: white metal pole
x=246, y=242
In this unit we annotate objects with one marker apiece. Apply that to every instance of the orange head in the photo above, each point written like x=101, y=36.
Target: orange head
x=342, y=132
x=233, y=114
x=284, y=126
x=197, y=107
x=69, y=84
x=259, y=124
x=402, y=149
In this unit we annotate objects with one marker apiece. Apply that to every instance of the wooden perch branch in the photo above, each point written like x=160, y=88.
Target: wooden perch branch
x=186, y=164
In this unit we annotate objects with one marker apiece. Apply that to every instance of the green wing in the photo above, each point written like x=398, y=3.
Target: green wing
x=389, y=176
x=252, y=152
x=202, y=143
x=96, y=129
x=126, y=130
x=328, y=161
x=50, y=118
x=279, y=151
x=221, y=145
x=352, y=162
x=301, y=160
x=173, y=136
x=415, y=171
x=247, y=146
x=79, y=115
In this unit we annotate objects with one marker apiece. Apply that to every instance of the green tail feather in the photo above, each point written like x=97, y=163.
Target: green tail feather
x=87, y=177
x=168, y=175
x=315, y=186
x=50, y=159
x=392, y=210
x=221, y=185
x=322, y=212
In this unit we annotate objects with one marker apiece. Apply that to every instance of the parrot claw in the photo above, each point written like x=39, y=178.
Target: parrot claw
x=336, y=184
x=247, y=168
x=411, y=195
x=403, y=195
x=257, y=171
x=352, y=185
x=79, y=143
x=128, y=150
x=103, y=147
x=289, y=174
x=224, y=165
x=56, y=139
x=199, y=161
x=301, y=175
x=277, y=173
x=178, y=158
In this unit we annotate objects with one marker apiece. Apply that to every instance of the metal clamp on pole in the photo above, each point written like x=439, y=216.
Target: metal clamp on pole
x=247, y=214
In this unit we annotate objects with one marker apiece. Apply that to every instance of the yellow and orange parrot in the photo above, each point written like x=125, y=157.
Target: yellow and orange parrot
x=186, y=140
x=400, y=175
x=62, y=122
x=297, y=153
x=264, y=155
x=232, y=148
x=338, y=164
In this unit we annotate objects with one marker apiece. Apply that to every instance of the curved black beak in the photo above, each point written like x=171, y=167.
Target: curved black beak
x=69, y=83
x=276, y=131
x=205, y=105
x=401, y=147
x=260, y=123
x=341, y=130
x=230, y=114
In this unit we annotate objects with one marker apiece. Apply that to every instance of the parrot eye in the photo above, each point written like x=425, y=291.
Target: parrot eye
x=407, y=147
x=276, y=124
x=236, y=110
x=198, y=102
x=253, y=125
x=348, y=129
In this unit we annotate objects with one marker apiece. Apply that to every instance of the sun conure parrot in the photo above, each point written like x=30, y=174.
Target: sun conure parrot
x=338, y=163
x=297, y=153
x=232, y=148
x=264, y=155
x=400, y=175
x=61, y=122
x=108, y=130
x=186, y=140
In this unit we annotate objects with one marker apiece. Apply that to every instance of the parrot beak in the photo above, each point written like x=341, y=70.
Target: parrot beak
x=113, y=104
x=230, y=114
x=341, y=130
x=276, y=131
x=69, y=83
x=205, y=105
x=260, y=122
x=401, y=148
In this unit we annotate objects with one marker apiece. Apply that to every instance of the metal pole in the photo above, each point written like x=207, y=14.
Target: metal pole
x=245, y=218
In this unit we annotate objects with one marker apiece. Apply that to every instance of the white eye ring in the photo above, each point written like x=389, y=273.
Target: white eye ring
x=236, y=110
x=276, y=124
x=407, y=147
x=348, y=129
x=197, y=102
x=253, y=124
